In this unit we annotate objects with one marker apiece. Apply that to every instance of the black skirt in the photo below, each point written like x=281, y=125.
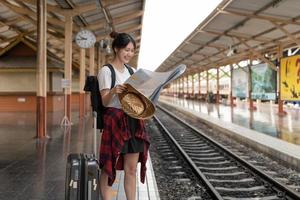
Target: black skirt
x=133, y=145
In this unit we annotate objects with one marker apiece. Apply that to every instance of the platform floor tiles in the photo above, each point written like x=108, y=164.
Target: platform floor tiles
x=32, y=169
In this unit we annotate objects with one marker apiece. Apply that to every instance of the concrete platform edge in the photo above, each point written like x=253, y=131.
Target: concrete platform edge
x=286, y=153
x=154, y=194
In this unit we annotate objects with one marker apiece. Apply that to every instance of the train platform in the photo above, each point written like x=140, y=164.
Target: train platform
x=261, y=129
x=35, y=169
x=145, y=191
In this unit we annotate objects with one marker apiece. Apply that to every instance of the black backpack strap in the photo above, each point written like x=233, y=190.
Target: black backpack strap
x=113, y=75
x=129, y=69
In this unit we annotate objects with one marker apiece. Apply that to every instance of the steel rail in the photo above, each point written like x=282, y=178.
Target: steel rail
x=278, y=186
x=211, y=190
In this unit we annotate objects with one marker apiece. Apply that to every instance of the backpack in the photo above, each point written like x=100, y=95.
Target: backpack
x=92, y=85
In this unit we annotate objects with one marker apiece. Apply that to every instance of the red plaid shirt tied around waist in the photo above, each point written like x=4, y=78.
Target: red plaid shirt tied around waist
x=115, y=132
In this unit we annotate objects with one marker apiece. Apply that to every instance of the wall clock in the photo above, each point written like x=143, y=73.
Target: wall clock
x=85, y=39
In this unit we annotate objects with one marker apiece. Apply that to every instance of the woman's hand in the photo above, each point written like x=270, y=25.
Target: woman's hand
x=118, y=89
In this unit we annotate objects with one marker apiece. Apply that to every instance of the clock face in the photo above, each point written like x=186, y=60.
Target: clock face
x=85, y=39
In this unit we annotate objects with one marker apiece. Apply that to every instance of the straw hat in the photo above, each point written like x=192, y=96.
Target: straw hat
x=135, y=104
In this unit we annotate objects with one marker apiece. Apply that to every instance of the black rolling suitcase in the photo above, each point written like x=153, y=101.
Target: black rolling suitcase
x=82, y=176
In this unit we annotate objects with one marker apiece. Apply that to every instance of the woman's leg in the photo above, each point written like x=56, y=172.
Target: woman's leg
x=130, y=165
x=104, y=187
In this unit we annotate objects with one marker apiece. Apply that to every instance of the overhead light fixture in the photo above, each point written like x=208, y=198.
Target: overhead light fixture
x=276, y=3
x=108, y=50
x=231, y=51
x=103, y=43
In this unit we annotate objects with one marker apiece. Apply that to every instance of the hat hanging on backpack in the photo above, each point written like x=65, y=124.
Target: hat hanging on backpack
x=135, y=104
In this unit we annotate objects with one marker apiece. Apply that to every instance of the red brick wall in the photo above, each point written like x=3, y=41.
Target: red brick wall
x=27, y=102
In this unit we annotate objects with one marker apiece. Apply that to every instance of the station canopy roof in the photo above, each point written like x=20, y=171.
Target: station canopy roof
x=18, y=22
x=238, y=30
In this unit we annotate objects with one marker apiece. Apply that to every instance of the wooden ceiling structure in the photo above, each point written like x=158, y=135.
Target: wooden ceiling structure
x=18, y=22
x=238, y=30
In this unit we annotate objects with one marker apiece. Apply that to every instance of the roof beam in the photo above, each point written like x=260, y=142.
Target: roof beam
x=13, y=21
x=50, y=7
x=100, y=37
x=6, y=27
x=224, y=62
x=107, y=16
x=29, y=43
x=8, y=40
x=26, y=11
x=107, y=3
x=204, y=24
x=267, y=18
x=97, y=25
x=218, y=47
x=255, y=38
x=238, y=57
x=19, y=36
x=258, y=54
x=138, y=38
x=287, y=33
x=127, y=17
x=131, y=29
x=9, y=6
x=70, y=12
x=12, y=44
x=80, y=9
x=243, y=56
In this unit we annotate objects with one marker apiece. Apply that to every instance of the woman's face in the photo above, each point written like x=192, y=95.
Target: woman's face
x=125, y=54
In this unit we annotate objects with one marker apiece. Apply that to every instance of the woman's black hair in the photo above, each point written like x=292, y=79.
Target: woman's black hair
x=121, y=40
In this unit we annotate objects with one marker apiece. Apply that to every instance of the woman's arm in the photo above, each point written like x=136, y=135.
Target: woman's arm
x=107, y=94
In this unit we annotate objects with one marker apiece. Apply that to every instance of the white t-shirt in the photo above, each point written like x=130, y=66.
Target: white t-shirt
x=104, y=79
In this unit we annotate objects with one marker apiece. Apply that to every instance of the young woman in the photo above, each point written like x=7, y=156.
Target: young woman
x=124, y=141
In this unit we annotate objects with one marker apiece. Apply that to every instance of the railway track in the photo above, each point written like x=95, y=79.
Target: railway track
x=224, y=174
x=176, y=179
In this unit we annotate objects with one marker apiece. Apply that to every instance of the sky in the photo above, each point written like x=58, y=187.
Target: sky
x=166, y=23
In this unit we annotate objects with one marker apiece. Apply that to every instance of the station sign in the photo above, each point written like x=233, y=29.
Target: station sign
x=290, y=78
x=263, y=79
x=65, y=83
x=240, y=85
